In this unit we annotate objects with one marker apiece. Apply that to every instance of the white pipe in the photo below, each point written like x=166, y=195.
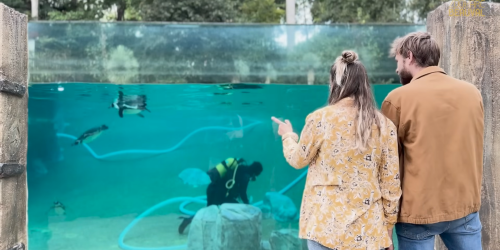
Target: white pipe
x=34, y=9
x=290, y=11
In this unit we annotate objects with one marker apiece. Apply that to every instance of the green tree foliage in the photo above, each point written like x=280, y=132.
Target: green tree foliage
x=62, y=10
x=257, y=11
x=357, y=11
x=262, y=11
x=423, y=7
x=189, y=10
x=75, y=10
x=24, y=6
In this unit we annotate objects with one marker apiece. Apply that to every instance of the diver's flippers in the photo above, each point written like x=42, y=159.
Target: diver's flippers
x=120, y=112
x=185, y=223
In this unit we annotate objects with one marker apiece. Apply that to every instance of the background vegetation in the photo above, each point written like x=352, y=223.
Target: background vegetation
x=123, y=52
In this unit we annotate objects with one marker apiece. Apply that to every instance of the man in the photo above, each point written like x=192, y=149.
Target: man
x=440, y=131
x=229, y=182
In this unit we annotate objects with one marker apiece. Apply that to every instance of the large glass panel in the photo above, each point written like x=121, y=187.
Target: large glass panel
x=152, y=165
x=139, y=162
x=191, y=53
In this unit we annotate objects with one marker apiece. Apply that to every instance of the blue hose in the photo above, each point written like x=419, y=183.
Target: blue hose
x=185, y=200
x=142, y=151
x=200, y=201
x=146, y=213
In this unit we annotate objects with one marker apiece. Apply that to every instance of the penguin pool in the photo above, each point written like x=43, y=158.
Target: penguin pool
x=102, y=155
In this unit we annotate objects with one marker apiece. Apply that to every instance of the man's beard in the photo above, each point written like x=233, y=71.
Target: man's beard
x=405, y=77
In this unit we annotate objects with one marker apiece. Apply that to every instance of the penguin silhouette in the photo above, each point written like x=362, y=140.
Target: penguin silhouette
x=90, y=135
x=130, y=104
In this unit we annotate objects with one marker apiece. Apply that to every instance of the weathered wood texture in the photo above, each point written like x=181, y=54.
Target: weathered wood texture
x=13, y=126
x=470, y=51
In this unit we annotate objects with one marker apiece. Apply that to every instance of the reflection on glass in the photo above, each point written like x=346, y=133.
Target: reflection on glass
x=167, y=53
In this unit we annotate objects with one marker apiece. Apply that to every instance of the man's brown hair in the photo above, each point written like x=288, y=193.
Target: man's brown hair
x=425, y=50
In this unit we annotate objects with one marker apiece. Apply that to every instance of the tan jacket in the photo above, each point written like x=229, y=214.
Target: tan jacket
x=350, y=199
x=440, y=123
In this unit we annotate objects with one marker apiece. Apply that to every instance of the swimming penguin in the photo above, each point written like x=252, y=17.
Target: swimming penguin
x=130, y=104
x=59, y=208
x=222, y=93
x=239, y=86
x=90, y=135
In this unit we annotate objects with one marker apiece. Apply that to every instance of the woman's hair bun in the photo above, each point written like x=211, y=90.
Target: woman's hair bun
x=349, y=56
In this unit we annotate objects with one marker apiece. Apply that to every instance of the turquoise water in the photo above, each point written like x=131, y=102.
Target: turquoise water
x=135, y=164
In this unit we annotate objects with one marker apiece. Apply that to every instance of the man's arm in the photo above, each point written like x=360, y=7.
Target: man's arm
x=389, y=176
x=391, y=111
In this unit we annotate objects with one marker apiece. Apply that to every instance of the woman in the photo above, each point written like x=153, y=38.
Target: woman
x=352, y=191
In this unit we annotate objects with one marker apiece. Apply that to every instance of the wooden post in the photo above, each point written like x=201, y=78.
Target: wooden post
x=470, y=51
x=13, y=128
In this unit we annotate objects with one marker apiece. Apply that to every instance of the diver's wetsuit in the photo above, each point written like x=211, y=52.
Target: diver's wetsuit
x=216, y=190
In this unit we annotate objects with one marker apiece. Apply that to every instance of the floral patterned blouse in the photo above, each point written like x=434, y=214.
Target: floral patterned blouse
x=350, y=200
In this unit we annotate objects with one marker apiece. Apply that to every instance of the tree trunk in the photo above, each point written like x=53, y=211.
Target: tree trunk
x=470, y=51
x=120, y=12
x=13, y=128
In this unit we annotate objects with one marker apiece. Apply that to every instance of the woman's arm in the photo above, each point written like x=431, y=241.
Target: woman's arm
x=389, y=177
x=300, y=153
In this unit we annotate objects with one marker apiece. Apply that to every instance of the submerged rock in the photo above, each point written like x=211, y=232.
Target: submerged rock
x=265, y=245
x=230, y=226
x=265, y=210
x=282, y=207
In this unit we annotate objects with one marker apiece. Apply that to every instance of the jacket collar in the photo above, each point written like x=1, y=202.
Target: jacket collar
x=427, y=71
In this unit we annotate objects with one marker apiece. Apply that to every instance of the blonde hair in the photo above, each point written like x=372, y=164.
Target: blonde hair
x=424, y=48
x=348, y=78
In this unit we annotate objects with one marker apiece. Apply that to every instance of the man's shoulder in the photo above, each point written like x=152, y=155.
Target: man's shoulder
x=466, y=84
x=412, y=89
x=462, y=86
x=448, y=78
